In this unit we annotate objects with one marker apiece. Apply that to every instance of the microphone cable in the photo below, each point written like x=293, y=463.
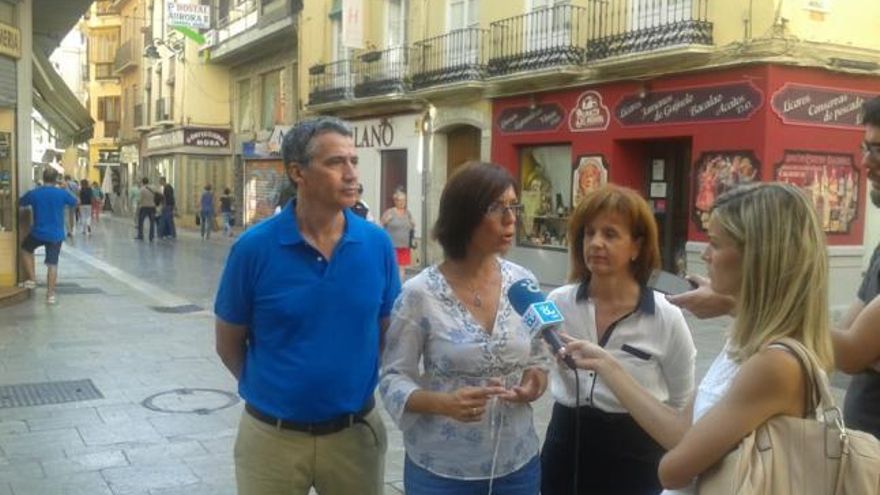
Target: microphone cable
x=577, y=430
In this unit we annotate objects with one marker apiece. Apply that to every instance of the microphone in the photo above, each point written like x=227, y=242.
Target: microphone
x=538, y=314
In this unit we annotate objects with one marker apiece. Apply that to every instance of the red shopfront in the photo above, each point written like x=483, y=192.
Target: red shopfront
x=681, y=141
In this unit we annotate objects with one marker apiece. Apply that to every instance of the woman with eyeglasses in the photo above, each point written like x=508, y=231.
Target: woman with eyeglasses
x=465, y=413
x=591, y=436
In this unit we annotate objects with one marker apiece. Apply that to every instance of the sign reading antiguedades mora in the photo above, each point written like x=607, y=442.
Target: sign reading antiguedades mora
x=816, y=106
x=723, y=102
x=207, y=138
x=545, y=117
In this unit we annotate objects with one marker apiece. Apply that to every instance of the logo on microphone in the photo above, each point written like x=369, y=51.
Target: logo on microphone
x=540, y=315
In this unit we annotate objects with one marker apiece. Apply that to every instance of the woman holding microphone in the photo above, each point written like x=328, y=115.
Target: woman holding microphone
x=591, y=438
x=766, y=251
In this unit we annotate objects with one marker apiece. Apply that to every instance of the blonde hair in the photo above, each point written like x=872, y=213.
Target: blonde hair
x=784, y=287
x=634, y=209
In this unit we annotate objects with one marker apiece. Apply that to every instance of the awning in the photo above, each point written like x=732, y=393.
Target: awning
x=57, y=103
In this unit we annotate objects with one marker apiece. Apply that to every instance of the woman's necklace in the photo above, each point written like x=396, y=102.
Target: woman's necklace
x=478, y=301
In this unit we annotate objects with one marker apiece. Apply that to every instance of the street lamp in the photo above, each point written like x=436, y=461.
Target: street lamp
x=173, y=44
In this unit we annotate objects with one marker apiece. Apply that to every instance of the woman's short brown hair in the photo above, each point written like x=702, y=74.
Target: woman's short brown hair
x=463, y=204
x=634, y=209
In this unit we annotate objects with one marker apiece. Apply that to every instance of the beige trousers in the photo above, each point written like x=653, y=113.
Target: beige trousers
x=271, y=461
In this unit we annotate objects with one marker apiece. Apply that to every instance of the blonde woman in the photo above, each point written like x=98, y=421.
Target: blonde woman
x=766, y=251
x=399, y=224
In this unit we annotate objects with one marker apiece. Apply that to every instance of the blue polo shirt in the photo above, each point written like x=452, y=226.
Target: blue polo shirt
x=48, y=203
x=313, y=325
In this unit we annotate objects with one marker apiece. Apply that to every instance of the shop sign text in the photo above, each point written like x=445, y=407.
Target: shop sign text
x=589, y=113
x=821, y=107
x=379, y=135
x=206, y=138
x=10, y=41
x=545, y=117
x=737, y=101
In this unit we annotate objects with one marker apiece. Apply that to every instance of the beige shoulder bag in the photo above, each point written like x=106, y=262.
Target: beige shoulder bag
x=815, y=455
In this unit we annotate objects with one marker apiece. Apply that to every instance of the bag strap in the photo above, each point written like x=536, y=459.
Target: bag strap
x=816, y=377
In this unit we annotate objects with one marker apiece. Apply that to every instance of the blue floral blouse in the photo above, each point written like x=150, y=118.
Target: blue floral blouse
x=429, y=325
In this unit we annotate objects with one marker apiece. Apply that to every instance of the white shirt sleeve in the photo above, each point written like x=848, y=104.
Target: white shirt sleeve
x=404, y=344
x=678, y=367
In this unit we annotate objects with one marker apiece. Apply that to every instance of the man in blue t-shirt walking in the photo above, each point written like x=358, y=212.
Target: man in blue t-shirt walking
x=48, y=202
x=301, y=308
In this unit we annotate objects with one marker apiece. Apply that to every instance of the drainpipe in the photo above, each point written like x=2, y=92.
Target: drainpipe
x=427, y=142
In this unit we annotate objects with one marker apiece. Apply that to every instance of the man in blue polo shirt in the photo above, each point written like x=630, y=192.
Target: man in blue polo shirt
x=301, y=307
x=48, y=202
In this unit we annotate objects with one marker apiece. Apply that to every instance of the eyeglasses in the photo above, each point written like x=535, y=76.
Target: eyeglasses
x=498, y=210
x=872, y=150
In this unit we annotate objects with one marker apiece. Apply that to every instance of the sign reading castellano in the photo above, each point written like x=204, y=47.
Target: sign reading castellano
x=189, y=15
x=10, y=41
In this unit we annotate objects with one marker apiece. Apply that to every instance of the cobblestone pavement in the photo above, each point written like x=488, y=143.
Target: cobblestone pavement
x=134, y=318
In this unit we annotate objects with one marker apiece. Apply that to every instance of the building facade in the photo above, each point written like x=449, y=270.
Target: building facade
x=678, y=100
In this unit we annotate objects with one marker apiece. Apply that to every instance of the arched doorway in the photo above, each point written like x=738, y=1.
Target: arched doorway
x=462, y=145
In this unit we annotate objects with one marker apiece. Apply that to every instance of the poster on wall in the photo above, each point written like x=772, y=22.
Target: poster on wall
x=589, y=174
x=718, y=172
x=830, y=180
x=264, y=180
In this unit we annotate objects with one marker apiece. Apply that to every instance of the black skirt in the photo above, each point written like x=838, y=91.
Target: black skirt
x=617, y=457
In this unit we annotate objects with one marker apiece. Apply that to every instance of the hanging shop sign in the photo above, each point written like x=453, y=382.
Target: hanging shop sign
x=589, y=113
x=10, y=41
x=193, y=16
x=206, y=138
x=721, y=103
x=799, y=104
x=544, y=117
x=830, y=181
x=718, y=172
x=108, y=157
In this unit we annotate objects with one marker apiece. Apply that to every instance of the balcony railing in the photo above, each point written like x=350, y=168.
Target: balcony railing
x=125, y=58
x=139, y=120
x=550, y=37
x=452, y=57
x=163, y=110
x=330, y=82
x=621, y=27
x=381, y=72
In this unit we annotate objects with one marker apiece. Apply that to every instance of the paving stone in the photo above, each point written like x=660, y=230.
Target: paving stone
x=178, y=425
x=40, y=445
x=74, y=484
x=156, y=454
x=149, y=477
x=132, y=431
x=85, y=462
x=65, y=419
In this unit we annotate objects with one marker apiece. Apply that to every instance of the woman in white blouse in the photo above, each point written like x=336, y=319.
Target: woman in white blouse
x=767, y=252
x=613, y=252
x=466, y=415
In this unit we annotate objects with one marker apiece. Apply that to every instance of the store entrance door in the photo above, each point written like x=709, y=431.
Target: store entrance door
x=462, y=146
x=668, y=190
x=393, y=176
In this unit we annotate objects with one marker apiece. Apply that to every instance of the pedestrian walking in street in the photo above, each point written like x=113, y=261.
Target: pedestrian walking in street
x=134, y=201
x=767, y=253
x=361, y=208
x=614, y=249
x=399, y=224
x=72, y=187
x=85, y=206
x=226, y=209
x=146, y=209
x=206, y=211
x=301, y=306
x=97, y=202
x=48, y=203
x=467, y=426
x=167, y=229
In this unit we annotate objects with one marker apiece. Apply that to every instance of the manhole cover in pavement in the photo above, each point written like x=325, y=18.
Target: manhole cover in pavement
x=190, y=401
x=37, y=394
x=185, y=308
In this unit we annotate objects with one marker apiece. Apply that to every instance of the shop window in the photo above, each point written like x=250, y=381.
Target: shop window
x=545, y=179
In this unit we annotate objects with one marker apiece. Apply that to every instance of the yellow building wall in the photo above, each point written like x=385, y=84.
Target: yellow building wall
x=202, y=91
x=853, y=23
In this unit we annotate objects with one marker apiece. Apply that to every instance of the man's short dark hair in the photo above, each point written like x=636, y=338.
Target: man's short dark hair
x=50, y=175
x=145, y=181
x=871, y=112
x=463, y=204
x=298, y=145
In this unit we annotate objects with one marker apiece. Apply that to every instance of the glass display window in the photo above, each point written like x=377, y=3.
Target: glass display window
x=7, y=198
x=545, y=193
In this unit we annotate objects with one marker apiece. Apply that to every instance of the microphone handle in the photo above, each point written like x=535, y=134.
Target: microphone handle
x=552, y=338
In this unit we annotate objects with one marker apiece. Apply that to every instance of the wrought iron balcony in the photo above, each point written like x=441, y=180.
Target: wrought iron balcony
x=125, y=57
x=551, y=37
x=622, y=27
x=381, y=72
x=449, y=58
x=330, y=82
